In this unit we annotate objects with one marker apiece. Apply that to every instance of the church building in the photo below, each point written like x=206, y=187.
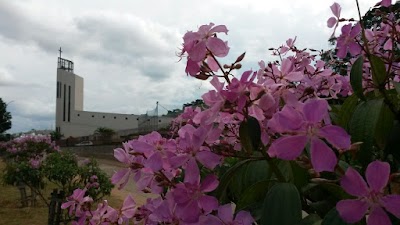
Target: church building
x=73, y=121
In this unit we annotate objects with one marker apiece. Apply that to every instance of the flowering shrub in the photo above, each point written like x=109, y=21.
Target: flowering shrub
x=283, y=145
x=36, y=160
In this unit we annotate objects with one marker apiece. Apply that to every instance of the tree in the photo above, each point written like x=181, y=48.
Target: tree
x=5, y=117
x=105, y=133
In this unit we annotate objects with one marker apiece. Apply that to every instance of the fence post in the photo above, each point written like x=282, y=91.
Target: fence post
x=52, y=207
x=60, y=200
x=22, y=190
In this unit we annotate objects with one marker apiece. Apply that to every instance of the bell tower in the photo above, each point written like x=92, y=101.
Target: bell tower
x=69, y=93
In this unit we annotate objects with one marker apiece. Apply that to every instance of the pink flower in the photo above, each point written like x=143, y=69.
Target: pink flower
x=225, y=217
x=346, y=42
x=333, y=21
x=305, y=126
x=199, y=44
x=369, y=196
x=76, y=201
x=191, y=200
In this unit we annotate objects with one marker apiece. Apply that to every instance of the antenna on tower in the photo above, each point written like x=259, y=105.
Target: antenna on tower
x=60, y=51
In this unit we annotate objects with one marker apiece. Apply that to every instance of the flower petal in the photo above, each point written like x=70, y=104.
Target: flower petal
x=225, y=213
x=352, y=210
x=336, y=136
x=377, y=175
x=192, y=172
x=336, y=9
x=208, y=203
x=315, y=110
x=198, y=52
x=208, y=159
x=217, y=46
x=378, y=217
x=209, y=183
x=288, y=148
x=353, y=183
x=392, y=204
x=322, y=157
x=244, y=217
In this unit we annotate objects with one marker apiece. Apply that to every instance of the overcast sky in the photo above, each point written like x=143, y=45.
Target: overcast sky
x=126, y=50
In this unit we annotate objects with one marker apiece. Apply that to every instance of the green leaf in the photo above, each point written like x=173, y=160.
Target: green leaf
x=282, y=205
x=347, y=110
x=311, y=219
x=378, y=70
x=384, y=126
x=335, y=190
x=253, y=194
x=356, y=75
x=248, y=175
x=363, y=127
x=300, y=175
x=250, y=134
x=227, y=177
x=393, y=143
x=333, y=218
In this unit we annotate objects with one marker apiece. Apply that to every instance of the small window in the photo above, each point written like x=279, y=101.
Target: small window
x=115, y=117
x=137, y=118
x=78, y=114
x=159, y=121
x=126, y=118
x=104, y=117
x=92, y=115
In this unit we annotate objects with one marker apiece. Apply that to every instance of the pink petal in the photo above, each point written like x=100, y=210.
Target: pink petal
x=378, y=217
x=315, y=110
x=386, y=3
x=217, y=84
x=209, y=183
x=244, y=217
x=219, y=29
x=198, y=52
x=377, y=175
x=388, y=45
x=354, y=48
x=128, y=208
x=352, y=210
x=331, y=22
x=392, y=204
x=155, y=162
x=336, y=9
x=121, y=155
x=192, y=173
x=225, y=213
x=121, y=175
x=208, y=159
x=217, y=47
x=322, y=157
x=336, y=136
x=353, y=183
x=287, y=66
x=189, y=213
x=288, y=148
x=289, y=119
x=295, y=76
x=208, y=203
x=212, y=64
x=192, y=67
